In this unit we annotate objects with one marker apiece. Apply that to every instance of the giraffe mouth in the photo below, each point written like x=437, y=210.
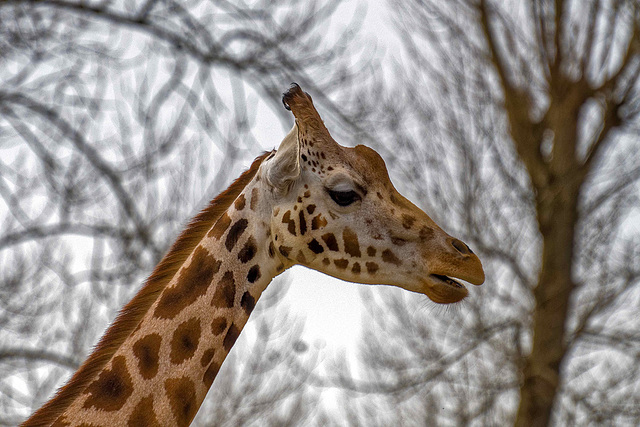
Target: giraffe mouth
x=448, y=280
x=443, y=289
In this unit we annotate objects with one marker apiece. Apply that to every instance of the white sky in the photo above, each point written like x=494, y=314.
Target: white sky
x=331, y=308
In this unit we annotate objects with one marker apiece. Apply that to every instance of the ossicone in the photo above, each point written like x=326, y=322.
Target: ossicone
x=295, y=91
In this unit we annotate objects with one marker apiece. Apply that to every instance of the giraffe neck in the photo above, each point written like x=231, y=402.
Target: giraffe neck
x=164, y=368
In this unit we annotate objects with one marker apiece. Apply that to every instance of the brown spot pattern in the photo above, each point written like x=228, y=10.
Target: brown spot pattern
x=143, y=414
x=111, y=389
x=331, y=242
x=210, y=374
x=248, y=251
x=272, y=250
x=390, y=257
x=426, y=233
x=220, y=226
x=248, y=302
x=285, y=250
x=341, y=263
x=207, y=356
x=303, y=223
x=407, y=221
x=235, y=232
x=181, y=393
x=192, y=283
x=398, y=241
x=240, y=202
x=292, y=227
x=317, y=222
x=225, y=292
x=311, y=209
x=147, y=350
x=291, y=224
x=253, y=274
x=372, y=267
x=218, y=325
x=371, y=251
x=351, y=245
x=185, y=341
x=231, y=337
x=356, y=268
x=315, y=246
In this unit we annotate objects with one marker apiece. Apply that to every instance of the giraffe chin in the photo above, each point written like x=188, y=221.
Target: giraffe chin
x=444, y=290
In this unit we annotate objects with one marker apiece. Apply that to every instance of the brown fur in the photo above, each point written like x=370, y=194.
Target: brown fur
x=130, y=316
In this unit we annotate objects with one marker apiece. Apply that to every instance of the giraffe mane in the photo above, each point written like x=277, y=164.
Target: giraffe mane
x=130, y=315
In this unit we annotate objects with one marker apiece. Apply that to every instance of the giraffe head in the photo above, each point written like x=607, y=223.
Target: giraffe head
x=335, y=210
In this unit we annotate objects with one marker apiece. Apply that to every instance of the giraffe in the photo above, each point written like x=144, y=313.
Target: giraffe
x=311, y=202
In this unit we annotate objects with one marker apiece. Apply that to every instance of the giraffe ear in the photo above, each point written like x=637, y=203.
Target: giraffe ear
x=284, y=168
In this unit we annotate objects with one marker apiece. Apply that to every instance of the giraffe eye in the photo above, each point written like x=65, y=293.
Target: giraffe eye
x=344, y=198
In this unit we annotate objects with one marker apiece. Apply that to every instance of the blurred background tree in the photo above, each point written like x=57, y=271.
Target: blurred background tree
x=513, y=124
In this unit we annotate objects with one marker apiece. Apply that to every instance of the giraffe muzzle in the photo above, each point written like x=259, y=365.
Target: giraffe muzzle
x=443, y=284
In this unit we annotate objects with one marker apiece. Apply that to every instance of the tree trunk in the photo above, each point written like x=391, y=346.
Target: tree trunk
x=557, y=217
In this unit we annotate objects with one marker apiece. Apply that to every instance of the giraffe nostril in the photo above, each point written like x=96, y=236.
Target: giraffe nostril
x=461, y=247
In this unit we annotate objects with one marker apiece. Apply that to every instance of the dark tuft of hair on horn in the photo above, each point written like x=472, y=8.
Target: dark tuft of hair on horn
x=290, y=94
